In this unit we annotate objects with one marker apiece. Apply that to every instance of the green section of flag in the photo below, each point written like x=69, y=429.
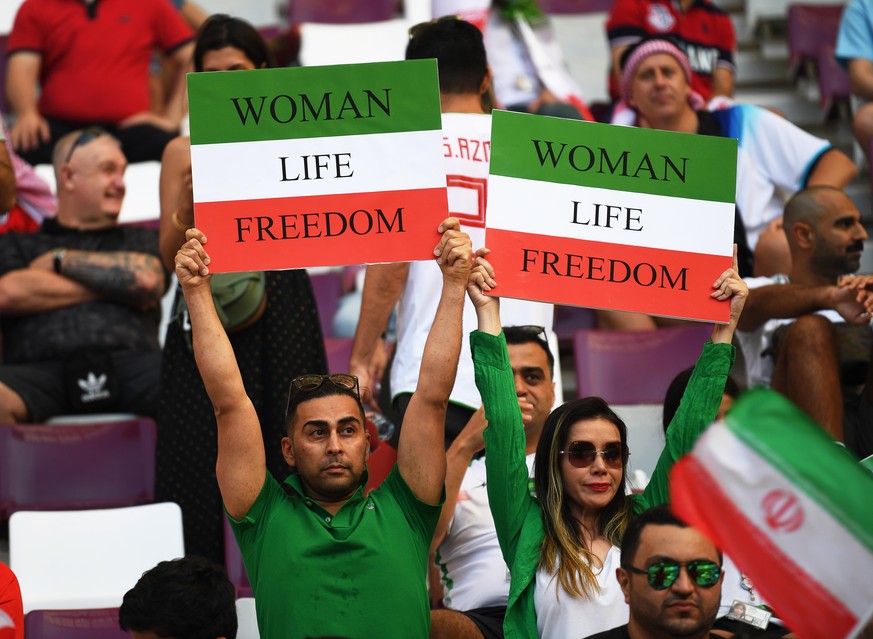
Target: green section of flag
x=313, y=102
x=612, y=157
x=801, y=451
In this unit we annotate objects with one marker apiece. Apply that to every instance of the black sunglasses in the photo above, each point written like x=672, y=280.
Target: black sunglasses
x=582, y=454
x=309, y=383
x=87, y=135
x=664, y=574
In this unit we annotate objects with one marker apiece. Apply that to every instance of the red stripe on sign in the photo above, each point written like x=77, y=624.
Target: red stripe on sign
x=806, y=606
x=354, y=228
x=603, y=275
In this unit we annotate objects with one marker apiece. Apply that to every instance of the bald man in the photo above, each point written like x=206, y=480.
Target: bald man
x=798, y=331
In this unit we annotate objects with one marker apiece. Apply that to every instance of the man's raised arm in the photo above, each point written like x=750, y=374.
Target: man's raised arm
x=421, y=458
x=241, y=466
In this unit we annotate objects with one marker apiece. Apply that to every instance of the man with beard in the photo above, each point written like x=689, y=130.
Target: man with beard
x=671, y=578
x=814, y=321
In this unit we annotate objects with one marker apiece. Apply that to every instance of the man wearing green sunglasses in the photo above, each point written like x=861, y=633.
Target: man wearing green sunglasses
x=671, y=578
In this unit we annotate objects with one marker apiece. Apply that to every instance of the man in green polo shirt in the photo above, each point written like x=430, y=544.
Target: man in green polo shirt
x=323, y=558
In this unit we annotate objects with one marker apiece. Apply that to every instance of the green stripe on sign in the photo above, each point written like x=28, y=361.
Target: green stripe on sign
x=312, y=102
x=801, y=451
x=613, y=157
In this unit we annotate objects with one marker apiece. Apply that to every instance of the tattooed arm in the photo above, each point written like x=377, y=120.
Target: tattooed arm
x=126, y=277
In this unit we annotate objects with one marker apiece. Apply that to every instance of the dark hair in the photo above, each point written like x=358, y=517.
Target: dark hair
x=222, y=30
x=522, y=335
x=563, y=550
x=327, y=389
x=657, y=516
x=188, y=598
x=459, y=51
x=677, y=389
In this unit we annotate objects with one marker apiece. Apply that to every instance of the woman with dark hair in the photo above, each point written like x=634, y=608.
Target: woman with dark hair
x=284, y=342
x=562, y=543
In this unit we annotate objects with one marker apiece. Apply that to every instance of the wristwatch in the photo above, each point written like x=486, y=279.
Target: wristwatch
x=60, y=254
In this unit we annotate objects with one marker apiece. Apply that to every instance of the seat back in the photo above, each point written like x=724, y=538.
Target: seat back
x=328, y=288
x=341, y=11
x=811, y=27
x=100, y=623
x=634, y=367
x=833, y=80
x=247, y=618
x=66, y=467
x=233, y=561
x=577, y=7
x=89, y=558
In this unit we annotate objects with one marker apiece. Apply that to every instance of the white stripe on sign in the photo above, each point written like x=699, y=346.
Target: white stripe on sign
x=795, y=523
x=321, y=166
x=547, y=208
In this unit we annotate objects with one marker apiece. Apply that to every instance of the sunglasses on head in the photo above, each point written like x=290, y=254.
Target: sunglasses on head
x=663, y=574
x=309, y=383
x=582, y=454
x=87, y=135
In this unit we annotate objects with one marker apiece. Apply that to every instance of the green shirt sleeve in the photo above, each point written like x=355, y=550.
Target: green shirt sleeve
x=505, y=465
x=697, y=410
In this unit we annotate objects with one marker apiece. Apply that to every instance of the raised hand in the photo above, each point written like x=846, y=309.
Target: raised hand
x=192, y=260
x=454, y=252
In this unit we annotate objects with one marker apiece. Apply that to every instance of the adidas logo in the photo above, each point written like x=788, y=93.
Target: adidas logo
x=94, y=388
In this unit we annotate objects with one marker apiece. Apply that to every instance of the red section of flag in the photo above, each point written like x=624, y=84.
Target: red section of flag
x=603, y=275
x=806, y=606
x=333, y=230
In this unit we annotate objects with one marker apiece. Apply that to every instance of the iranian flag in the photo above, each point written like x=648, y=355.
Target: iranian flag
x=793, y=509
x=610, y=217
x=318, y=166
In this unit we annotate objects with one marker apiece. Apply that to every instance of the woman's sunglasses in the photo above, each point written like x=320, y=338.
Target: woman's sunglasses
x=664, y=574
x=582, y=454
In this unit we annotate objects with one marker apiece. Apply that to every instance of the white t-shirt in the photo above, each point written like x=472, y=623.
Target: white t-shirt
x=561, y=615
x=467, y=146
x=759, y=370
x=473, y=572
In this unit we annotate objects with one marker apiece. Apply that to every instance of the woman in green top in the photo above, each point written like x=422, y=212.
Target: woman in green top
x=561, y=544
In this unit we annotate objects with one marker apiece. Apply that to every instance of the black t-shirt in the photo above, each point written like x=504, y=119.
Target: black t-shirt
x=56, y=333
x=622, y=633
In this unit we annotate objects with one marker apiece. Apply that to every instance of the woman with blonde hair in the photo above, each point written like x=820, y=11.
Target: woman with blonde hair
x=561, y=543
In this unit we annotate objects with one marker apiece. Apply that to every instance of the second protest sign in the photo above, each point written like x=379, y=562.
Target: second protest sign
x=610, y=217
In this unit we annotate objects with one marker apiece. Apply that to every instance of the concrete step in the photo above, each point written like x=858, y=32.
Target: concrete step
x=754, y=68
x=785, y=100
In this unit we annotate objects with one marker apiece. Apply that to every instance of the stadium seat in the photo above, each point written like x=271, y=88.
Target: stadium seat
x=339, y=352
x=75, y=466
x=341, y=11
x=233, y=561
x=834, y=85
x=75, y=559
x=100, y=623
x=327, y=287
x=810, y=27
x=558, y=7
x=247, y=618
x=634, y=367
x=569, y=319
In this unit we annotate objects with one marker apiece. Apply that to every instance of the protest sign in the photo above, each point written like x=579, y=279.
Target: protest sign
x=610, y=217
x=318, y=166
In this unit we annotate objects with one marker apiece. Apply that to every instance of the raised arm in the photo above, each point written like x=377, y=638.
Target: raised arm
x=420, y=454
x=383, y=286
x=703, y=395
x=241, y=466
x=458, y=457
x=505, y=466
